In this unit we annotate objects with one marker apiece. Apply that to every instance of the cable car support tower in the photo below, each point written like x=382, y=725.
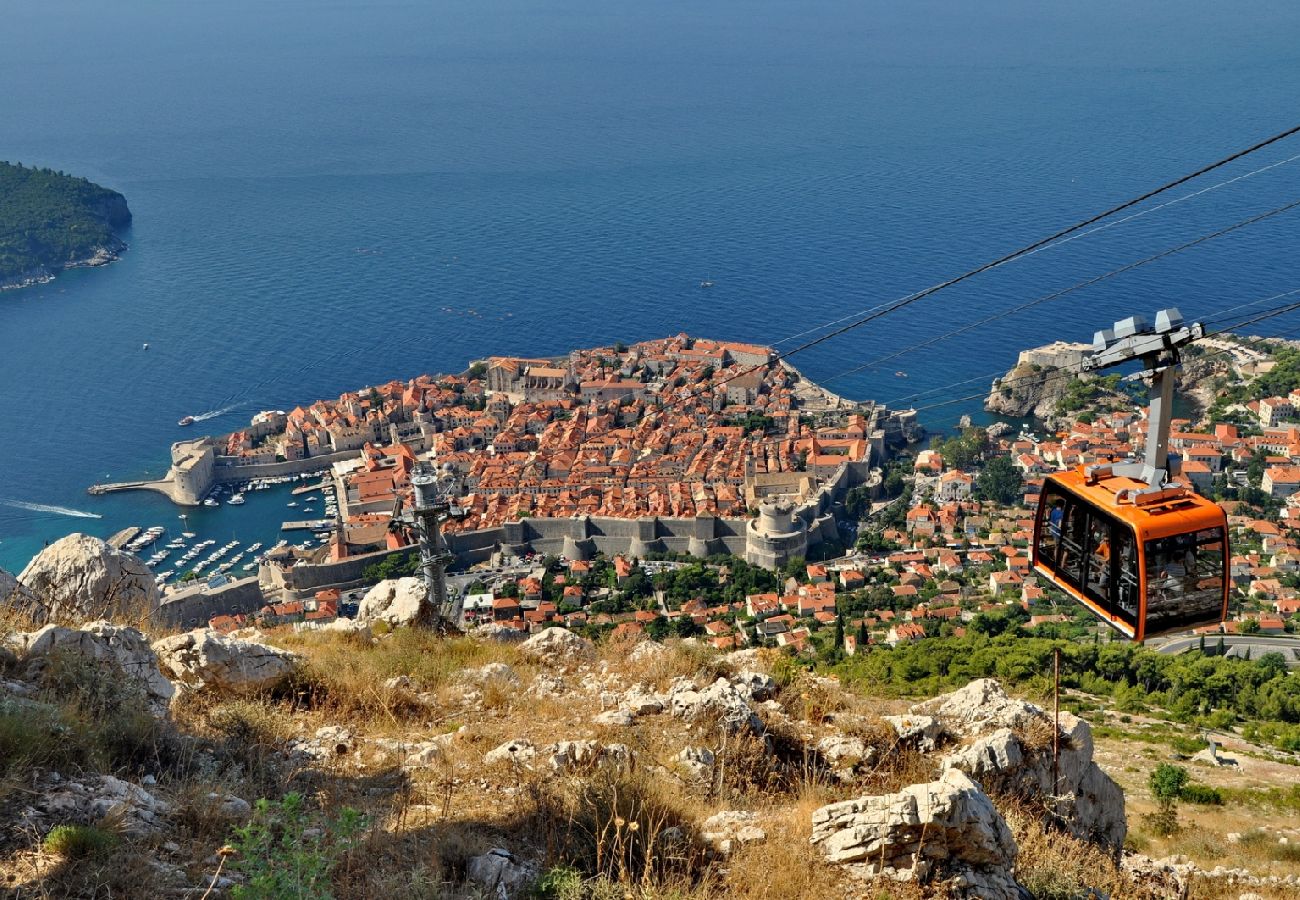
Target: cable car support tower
x=1159, y=349
x=432, y=506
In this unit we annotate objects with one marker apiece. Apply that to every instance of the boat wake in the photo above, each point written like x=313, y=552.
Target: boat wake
x=213, y=413
x=45, y=508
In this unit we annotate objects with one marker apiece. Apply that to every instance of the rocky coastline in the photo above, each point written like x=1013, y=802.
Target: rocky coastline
x=102, y=256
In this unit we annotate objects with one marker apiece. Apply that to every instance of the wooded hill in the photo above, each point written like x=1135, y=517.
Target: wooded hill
x=49, y=220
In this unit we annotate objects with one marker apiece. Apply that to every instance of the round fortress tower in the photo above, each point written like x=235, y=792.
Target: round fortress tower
x=776, y=535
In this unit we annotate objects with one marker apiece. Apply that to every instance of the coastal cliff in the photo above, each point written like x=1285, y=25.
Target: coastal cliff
x=1046, y=382
x=54, y=221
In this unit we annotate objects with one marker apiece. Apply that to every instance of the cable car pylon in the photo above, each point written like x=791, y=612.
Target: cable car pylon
x=1146, y=555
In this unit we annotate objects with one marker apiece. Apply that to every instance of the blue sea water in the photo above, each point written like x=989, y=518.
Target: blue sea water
x=531, y=176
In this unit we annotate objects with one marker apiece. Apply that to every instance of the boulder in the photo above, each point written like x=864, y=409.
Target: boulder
x=118, y=646
x=843, y=752
x=1084, y=798
x=920, y=732
x=87, y=801
x=396, y=601
x=730, y=828
x=757, y=685
x=493, y=671
x=495, y=631
x=503, y=875
x=519, y=752
x=583, y=756
x=720, y=700
x=614, y=718
x=556, y=646
x=203, y=660
x=81, y=578
x=15, y=595
x=640, y=701
x=979, y=707
x=946, y=829
x=697, y=761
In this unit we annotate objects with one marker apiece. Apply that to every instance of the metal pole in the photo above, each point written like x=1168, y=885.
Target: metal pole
x=1158, y=416
x=1056, y=718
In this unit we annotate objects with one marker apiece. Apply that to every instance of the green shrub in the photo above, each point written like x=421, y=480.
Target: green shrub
x=285, y=852
x=79, y=841
x=1201, y=794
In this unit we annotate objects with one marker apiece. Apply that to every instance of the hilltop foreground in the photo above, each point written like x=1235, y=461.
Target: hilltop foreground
x=360, y=761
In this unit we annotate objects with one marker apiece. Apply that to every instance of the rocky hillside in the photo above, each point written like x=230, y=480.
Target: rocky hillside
x=365, y=760
x=50, y=221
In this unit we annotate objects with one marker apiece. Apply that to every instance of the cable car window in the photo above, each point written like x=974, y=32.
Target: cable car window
x=1184, y=580
x=1049, y=530
x=1112, y=567
x=1071, y=558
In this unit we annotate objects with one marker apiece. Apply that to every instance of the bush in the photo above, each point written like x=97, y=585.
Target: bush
x=284, y=852
x=79, y=841
x=1201, y=794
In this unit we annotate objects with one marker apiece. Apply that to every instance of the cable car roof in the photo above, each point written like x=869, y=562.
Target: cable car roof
x=1179, y=513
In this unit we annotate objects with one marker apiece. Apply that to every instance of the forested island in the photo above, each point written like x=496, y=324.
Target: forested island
x=51, y=221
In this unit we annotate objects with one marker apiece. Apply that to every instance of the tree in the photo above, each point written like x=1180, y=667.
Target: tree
x=1167, y=783
x=1000, y=481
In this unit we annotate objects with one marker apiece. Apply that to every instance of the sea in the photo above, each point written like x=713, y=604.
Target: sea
x=335, y=193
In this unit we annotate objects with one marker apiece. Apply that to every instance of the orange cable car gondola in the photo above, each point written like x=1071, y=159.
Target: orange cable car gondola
x=1147, y=556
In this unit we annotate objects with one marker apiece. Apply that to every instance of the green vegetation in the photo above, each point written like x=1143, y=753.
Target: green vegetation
x=394, y=565
x=1167, y=784
x=1079, y=392
x=1208, y=691
x=1000, y=482
x=49, y=219
x=79, y=841
x=964, y=450
x=284, y=852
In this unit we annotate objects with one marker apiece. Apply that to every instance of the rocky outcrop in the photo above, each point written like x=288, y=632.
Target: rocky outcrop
x=208, y=662
x=945, y=830
x=1011, y=756
x=125, y=649
x=82, y=578
x=726, y=830
x=15, y=595
x=554, y=646
x=397, y=601
x=501, y=874
x=721, y=701
x=89, y=800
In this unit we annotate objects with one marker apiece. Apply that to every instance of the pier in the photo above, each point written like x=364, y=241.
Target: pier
x=306, y=524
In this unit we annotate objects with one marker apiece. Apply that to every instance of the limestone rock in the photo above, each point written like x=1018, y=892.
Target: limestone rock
x=1086, y=799
x=949, y=823
x=397, y=601
x=697, y=761
x=720, y=700
x=979, y=707
x=16, y=595
x=921, y=732
x=519, y=752
x=495, y=631
x=349, y=626
x=757, y=685
x=583, y=756
x=87, y=801
x=105, y=643
x=556, y=646
x=491, y=672
x=228, y=806
x=730, y=828
x=640, y=701
x=844, y=752
x=614, y=718
x=503, y=875
x=82, y=578
x=203, y=660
